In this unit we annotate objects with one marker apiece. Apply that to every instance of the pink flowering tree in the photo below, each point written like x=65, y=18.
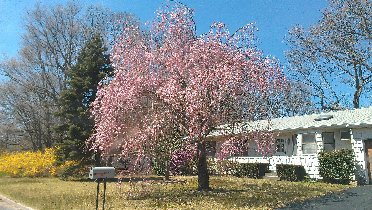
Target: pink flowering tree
x=239, y=144
x=171, y=84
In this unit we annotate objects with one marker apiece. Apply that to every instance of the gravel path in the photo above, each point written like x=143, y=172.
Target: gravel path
x=7, y=204
x=357, y=198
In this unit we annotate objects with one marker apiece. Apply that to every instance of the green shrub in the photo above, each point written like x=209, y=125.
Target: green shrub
x=212, y=167
x=187, y=168
x=251, y=170
x=2, y=174
x=159, y=167
x=290, y=172
x=73, y=171
x=228, y=167
x=264, y=168
x=221, y=167
x=337, y=166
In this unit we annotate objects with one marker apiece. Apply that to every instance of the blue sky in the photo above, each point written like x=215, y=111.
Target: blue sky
x=273, y=18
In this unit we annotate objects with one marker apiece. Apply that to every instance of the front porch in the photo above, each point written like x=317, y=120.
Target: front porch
x=310, y=162
x=302, y=148
x=301, y=138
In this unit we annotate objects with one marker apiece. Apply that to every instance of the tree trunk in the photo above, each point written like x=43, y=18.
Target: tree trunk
x=203, y=176
x=167, y=170
x=359, y=82
x=97, y=159
x=356, y=98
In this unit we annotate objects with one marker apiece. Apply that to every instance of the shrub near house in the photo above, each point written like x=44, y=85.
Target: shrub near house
x=337, y=166
x=251, y=170
x=290, y=172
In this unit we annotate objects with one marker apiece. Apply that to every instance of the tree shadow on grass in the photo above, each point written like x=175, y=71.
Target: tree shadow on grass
x=226, y=194
x=315, y=203
x=165, y=196
x=125, y=179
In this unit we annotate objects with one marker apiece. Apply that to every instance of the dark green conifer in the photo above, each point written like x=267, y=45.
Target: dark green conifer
x=93, y=65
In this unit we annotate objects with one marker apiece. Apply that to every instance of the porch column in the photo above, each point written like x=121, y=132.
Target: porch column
x=319, y=142
x=299, y=144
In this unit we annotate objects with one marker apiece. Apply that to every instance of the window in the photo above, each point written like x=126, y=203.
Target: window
x=328, y=141
x=345, y=135
x=308, y=144
x=280, y=145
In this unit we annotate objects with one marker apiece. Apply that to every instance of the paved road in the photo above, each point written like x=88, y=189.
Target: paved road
x=357, y=198
x=7, y=204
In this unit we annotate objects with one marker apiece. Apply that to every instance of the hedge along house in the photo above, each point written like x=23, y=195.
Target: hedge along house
x=300, y=139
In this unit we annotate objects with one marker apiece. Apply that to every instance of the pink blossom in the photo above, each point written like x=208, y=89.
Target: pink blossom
x=173, y=83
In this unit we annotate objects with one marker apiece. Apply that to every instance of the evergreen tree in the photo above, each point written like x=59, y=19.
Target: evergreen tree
x=93, y=65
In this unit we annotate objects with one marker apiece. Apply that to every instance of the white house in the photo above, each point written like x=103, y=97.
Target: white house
x=301, y=138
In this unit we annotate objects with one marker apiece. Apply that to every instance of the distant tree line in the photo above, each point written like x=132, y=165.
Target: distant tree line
x=63, y=52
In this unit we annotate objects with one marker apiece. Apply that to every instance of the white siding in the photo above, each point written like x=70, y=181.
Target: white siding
x=357, y=140
x=294, y=154
x=319, y=142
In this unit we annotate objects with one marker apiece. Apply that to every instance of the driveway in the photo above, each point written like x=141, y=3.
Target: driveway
x=7, y=204
x=357, y=198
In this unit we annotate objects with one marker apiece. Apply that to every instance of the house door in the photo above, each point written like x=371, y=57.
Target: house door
x=368, y=149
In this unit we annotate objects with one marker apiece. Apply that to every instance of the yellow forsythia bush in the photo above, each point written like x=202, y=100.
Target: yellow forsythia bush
x=29, y=164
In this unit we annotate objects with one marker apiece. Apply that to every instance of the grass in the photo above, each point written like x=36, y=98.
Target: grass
x=227, y=193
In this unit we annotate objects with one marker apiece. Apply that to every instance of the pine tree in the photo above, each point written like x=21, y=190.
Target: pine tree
x=93, y=65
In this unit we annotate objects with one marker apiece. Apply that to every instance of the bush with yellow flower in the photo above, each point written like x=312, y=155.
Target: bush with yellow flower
x=31, y=164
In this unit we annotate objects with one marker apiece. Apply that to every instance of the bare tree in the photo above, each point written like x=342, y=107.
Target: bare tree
x=18, y=106
x=293, y=99
x=31, y=109
x=50, y=45
x=333, y=57
x=11, y=136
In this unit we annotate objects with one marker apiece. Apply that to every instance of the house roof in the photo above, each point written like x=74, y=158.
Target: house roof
x=336, y=119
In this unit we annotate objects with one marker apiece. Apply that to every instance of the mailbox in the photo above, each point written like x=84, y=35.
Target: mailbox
x=101, y=172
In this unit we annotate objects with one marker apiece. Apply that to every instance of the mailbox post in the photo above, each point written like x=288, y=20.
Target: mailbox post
x=99, y=174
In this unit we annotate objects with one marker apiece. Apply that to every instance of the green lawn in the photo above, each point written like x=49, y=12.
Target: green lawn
x=228, y=193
